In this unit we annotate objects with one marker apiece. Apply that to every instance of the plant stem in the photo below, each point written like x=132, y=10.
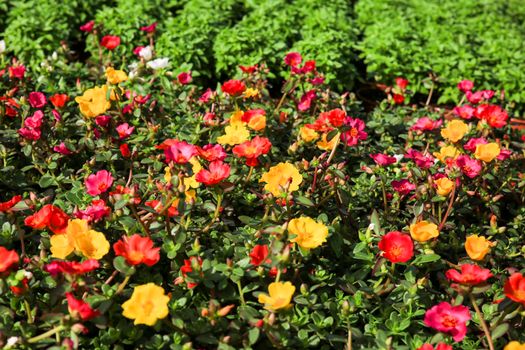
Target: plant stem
x=383, y=189
x=349, y=339
x=216, y=213
x=241, y=294
x=249, y=175
x=449, y=208
x=45, y=335
x=122, y=285
x=137, y=217
x=332, y=154
x=482, y=321
x=28, y=312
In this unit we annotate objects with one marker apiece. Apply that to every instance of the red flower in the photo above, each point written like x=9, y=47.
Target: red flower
x=397, y=247
x=248, y=69
x=293, y=59
x=252, y=113
x=59, y=100
x=336, y=117
x=403, y=187
x=80, y=309
x=124, y=150
x=184, y=78
x=8, y=259
x=355, y=133
x=21, y=287
x=71, y=267
x=17, y=72
x=478, y=96
x=383, y=159
x=398, y=99
x=446, y=318
x=37, y=99
x=492, y=114
x=233, y=87
x=110, y=42
x=465, y=112
x=212, y=152
x=48, y=216
x=157, y=206
x=259, y=254
x=6, y=206
x=87, y=27
x=95, y=212
x=189, y=264
x=426, y=124
x=179, y=152
x=137, y=250
x=440, y=346
x=253, y=149
x=515, y=288
x=470, y=275
x=98, y=183
x=218, y=171
x=465, y=85
x=149, y=29
x=402, y=83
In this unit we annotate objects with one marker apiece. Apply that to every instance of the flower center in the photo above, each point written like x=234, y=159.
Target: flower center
x=449, y=321
x=354, y=132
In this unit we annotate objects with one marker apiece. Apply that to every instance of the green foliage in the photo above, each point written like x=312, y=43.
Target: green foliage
x=189, y=37
x=451, y=39
x=37, y=28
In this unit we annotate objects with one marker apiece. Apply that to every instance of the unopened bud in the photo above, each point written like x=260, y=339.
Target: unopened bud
x=205, y=312
x=225, y=310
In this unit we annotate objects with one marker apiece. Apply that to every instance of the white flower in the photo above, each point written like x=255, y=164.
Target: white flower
x=2, y=46
x=371, y=226
x=158, y=63
x=398, y=157
x=11, y=342
x=146, y=53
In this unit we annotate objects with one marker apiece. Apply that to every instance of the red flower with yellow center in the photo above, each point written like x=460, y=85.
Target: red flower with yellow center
x=252, y=149
x=137, y=250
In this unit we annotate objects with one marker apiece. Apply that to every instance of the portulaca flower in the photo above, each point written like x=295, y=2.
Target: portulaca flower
x=146, y=53
x=2, y=46
x=158, y=63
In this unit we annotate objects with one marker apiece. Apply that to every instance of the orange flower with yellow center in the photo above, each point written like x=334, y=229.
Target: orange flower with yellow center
x=487, y=152
x=477, y=247
x=308, y=134
x=94, y=102
x=424, y=231
x=147, y=304
x=308, y=232
x=454, y=131
x=280, y=296
x=282, y=178
x=79, y=237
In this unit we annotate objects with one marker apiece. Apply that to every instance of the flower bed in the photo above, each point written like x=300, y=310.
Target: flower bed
x=142, y=211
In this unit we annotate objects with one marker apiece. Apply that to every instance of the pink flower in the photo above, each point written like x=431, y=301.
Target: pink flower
x=180, y=152
x=98, y=183
x=62, y=149
x=293, y=59
x=184, y=78
x=17, y=72
x=87, y=27
x=95, y=212
x=124, y=130
x=30, y=134
x=470, y=167
x=421, y=160
x=205, y=97
x=35, y=121
x=465, y=85
x=355, y=133
x=318, y=80
x=473, y=142
x=212, y=152
x=478, y=96
x=103, y=120
x=504, y=153
x=136, y=51
x=446, y=318
x=149, y=29
x=306, y=100
x=465, y=112
x=56, y=115
x=402, y=83
x=403, y=187
x=218, y=171
x=383, y=159
x=426, y=124
x=470, y=275
x=37, y=99
x=440, y=346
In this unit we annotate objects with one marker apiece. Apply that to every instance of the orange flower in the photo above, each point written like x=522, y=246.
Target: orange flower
x=79, y=237
x=252, y=149
x=280, y=296
x=444, y=186
x=326, y=145
x=137, y=250
x=8, y=259
x=454, y=131
x=94, y=102
x=115, y=76
x=477, y=247
x=487, y=152
x=282, y=178
x=515, y=288
x=423, y=231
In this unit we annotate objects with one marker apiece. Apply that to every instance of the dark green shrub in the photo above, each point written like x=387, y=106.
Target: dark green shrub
x=188, y=38
x=452, y=39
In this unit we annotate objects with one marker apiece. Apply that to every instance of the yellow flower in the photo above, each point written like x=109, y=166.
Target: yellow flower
x=115, y=76
x=477, y=247
x=282, y=178
x=455, y=130
x=78, y=237
x=327, y=145
x=251, y=92
x=235, y=134
x=257, y=122
x=236, y=118
x=446, y=152
x=444, y=186
x=93, y=103
x=280, y=296
x=514, y=345
x=167, y=174
x=147, y=304
x=307, y=134
x=308, y=232
x=423, y=231
x=487, y=152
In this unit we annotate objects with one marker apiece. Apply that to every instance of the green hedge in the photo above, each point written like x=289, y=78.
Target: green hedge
x=454, y=39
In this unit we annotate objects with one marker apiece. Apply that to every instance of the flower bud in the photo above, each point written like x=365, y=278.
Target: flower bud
x=225, y=310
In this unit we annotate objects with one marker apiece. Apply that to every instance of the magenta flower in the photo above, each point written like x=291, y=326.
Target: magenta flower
x=426, y=124
x=440, y=346
x=306, y=100
x=35, y=121
x=103, y=120
x=473, y=142
x=403, y=187
x=470, y=167
x=465, y=112
x=478, y=96
x=465, y=85
x=124, y=130
x=449, y=319
x=423, y=161
x=87, y=27
x=62, y=149
x=293, y=59
x=355, y=133
x=184, y=78
x=98, y=183
x=37, y=99
x=180, y=152
x=206, y=96
x=383, y=159
x=95, y=212
x=504, y=153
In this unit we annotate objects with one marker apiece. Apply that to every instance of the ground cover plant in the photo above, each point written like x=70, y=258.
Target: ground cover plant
x=141, y=209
